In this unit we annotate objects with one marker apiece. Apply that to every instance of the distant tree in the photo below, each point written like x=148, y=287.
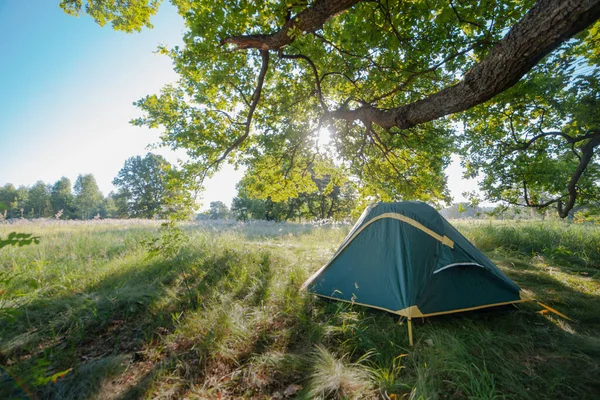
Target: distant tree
x=245, y=208
x=109, y=207
x=463, y=210
x=39, y=200
x=88, y=197
x=218, y=210
x=335, y=195
x=8, y=201
x=21, y=202
x=319, y=190
x=120, y=205
x=142, y=185
x=61, y=198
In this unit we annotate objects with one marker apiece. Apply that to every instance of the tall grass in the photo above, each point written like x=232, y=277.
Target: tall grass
x=566, y=243
x=94, y=316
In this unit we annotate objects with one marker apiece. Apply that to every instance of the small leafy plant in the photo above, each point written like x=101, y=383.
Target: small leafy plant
x=19, y=239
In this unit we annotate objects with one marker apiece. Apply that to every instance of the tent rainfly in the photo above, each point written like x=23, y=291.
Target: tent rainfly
x=406, y=258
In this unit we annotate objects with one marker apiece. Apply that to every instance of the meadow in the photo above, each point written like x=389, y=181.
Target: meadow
x=90, y=313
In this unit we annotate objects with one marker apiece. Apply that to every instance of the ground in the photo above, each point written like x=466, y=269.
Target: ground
x=91, y=313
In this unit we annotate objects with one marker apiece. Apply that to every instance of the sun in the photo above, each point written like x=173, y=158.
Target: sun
x=323, y=137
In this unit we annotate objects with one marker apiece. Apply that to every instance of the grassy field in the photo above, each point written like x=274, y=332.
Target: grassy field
x=88, y=313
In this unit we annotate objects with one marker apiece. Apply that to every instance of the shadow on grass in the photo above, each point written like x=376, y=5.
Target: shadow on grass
x=92, y=330
x=571, y=299
x=201, y=355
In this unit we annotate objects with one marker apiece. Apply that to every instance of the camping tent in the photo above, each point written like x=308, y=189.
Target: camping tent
x=406, y=258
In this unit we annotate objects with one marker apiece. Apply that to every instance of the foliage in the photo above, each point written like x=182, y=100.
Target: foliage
x=61, y=198
x=8, y=200
x=218, y=210
x=244, y=208
x=325, y=192
x=38, y=200
x=21, y=203
x=19, y=239
x=169, y=243
x=128, y=16
x=462, y=210
x=88, y=197
x=96, y=302
x=58, y=201
x=142, y=186
x=260, y=82
x=588, y=215
x=389, y=166
x=112, y=207
x=396, y=62
x=541, y=136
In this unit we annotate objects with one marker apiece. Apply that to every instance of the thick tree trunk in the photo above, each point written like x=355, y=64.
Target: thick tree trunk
x=330, y=212
x=547, y=25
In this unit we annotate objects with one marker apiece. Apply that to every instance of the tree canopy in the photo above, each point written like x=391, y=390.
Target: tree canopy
x=142, y=185
x=539, y=137
x=218, y=210
x=323, y=191
x=261, y=81
x=61, y=198
x=88, y=198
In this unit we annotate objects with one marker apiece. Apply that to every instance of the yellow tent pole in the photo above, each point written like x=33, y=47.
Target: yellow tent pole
x=410, y=338
x=552, y=310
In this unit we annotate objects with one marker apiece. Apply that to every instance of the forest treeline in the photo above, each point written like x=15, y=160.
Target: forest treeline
x=142, y=192
x=145, y=189
x=61, y=199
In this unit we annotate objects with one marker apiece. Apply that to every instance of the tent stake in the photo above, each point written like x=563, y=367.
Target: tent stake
x=410, y=338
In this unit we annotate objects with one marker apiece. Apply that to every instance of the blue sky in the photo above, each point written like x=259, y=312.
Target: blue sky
x=66, y=93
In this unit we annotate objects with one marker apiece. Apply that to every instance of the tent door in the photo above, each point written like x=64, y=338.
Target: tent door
x=470, y=264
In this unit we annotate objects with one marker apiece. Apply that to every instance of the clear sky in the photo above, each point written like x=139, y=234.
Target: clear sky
x=66, y=93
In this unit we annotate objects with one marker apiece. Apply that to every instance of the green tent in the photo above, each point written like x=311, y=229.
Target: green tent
x=406, y=258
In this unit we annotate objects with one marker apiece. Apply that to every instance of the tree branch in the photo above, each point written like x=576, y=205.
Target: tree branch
x=460, y=19
x=253, y=103
x=548, y=24
x=315, y=72
x=587, y=152
x=570, y=139
x=309, y=20
x=425, y=71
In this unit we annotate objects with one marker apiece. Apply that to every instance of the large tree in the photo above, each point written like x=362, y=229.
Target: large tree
x=218, y=210
x=142, y=184
x=264, y=79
